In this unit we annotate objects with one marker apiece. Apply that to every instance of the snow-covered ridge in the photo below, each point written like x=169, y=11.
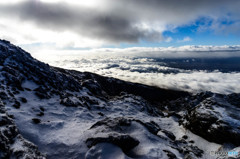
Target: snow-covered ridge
x=70, y=114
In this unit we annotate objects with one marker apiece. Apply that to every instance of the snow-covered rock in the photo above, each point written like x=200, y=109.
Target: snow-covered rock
x=12, y=144
x=216, y=118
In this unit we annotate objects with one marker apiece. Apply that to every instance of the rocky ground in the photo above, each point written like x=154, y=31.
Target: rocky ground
x=70, y=114
x=12, y=144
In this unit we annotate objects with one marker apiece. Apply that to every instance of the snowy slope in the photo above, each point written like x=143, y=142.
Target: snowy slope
x=12, y=144
x=70, y=114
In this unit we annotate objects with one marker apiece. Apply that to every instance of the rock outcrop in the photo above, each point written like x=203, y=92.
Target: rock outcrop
x=215, y=119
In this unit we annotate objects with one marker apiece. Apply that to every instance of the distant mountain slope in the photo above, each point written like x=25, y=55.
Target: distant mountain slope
x=70, y=114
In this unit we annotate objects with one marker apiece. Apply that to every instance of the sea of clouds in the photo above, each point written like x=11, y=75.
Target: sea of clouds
x=141, y=65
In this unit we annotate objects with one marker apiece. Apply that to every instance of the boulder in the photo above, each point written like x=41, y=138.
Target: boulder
x=215, y=121
x=125, y=142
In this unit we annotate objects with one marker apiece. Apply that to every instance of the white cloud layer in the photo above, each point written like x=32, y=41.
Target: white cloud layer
x=139, y=65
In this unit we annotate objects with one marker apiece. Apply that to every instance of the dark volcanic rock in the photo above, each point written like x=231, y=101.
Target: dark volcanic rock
x=214, y=117
x=113, y=124
x=184, y=103
x=185, y=137
x=115, y=87
x=17, y=104
x=234, y=99
x=215, y=120
x=36, y=120
x=42, y=93
x=40, y=114
x=125, y=142
x=117, y=124
x=3, y=95
x=170, y=154
x=151, y=126
x=24, y=100
x=169, y=134
x=189, y=151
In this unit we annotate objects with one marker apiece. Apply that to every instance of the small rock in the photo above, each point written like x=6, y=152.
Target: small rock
x=198, y=152
x=151, y=126
x=3, y=95
x=42, y=109
x=24, y=100
x=169, y=134
x=170, y=154
x=181, y=141
x=100, y=113
x=112, y=123
x=185, y=137
x=36, y=120
x=27, y=89
x=42, y=93
x=40, y=114
x=17, y=105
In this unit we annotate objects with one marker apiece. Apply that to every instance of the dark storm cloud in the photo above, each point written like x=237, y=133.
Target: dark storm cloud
x=124, y=20
x=88, y=22
x=178, y=12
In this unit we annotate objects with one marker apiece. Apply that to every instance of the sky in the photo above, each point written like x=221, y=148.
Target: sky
x=75, y=25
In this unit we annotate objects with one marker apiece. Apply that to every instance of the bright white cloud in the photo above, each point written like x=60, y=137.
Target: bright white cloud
x=185, y=39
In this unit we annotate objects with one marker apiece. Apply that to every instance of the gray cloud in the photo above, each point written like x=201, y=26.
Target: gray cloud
x=125, y=20
x=84, y=21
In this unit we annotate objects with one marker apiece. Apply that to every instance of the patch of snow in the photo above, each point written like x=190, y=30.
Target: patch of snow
x=29, y=84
